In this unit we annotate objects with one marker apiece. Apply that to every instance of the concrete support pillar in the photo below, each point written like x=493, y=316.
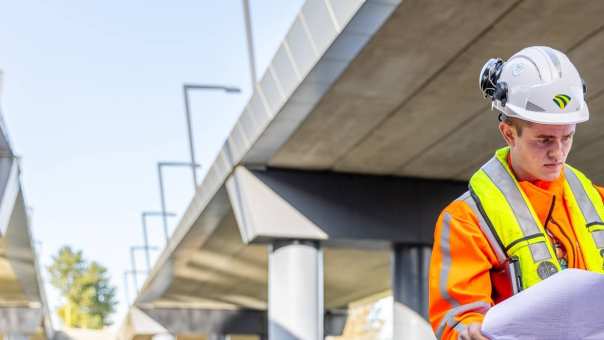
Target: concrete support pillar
x=295, y=291
x=217, y=337
x=16, y=336
x=410, y=265
x=410, y=277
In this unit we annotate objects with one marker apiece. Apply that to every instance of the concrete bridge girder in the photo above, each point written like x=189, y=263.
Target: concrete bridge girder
x=23, y=309
x=337, y=208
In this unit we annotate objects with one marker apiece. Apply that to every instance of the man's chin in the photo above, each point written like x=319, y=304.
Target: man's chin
x=550, y=174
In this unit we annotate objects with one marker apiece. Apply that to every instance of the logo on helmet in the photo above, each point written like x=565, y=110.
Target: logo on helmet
x=517, y=69
x=561, y=100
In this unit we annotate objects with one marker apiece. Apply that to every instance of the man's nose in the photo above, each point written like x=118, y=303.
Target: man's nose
x=556, y=152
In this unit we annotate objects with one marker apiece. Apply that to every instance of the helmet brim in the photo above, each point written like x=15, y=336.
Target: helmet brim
x=550, y=118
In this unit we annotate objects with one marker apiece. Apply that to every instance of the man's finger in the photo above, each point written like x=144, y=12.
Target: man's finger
x=475, y=333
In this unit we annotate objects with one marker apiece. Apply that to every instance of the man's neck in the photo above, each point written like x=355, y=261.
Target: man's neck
x=520, y=173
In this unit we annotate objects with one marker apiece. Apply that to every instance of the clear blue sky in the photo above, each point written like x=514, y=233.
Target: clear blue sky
x=93, y=100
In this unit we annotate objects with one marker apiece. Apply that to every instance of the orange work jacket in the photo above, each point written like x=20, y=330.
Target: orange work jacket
x=466, y=278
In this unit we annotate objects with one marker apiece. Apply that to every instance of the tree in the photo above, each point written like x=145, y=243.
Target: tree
x=89, y=297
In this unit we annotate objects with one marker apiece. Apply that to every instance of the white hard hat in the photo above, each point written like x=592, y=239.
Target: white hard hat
x=538, y=84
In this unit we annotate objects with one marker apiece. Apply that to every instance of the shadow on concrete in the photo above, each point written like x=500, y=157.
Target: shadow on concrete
x=83, y=334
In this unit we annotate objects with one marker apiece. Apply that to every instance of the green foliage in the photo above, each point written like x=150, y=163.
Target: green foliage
x=85, y=286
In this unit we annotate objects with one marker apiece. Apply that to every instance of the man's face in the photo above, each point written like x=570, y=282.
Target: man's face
x=540, y=151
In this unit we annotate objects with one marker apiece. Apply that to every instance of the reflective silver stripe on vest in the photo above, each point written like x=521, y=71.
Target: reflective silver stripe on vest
x=449, y=318
x=484, y=227
x=539, y=251
x=585, y=204
x=598, y=236
x=445, y=250
x=505, y=183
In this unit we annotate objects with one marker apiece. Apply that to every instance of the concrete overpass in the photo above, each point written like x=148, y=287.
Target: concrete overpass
x=366, y=123
x=23, y=308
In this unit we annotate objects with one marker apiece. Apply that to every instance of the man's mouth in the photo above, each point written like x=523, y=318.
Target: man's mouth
x=552, y=165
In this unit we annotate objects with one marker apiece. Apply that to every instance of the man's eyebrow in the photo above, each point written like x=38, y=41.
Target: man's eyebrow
x=552, y=136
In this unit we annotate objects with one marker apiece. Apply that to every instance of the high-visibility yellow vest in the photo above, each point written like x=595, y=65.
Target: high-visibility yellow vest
x=514, y=229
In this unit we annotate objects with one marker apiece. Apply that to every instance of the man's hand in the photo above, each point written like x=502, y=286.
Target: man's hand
x=472, y=332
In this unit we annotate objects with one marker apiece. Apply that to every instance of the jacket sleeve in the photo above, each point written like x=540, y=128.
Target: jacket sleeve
x=460, y=284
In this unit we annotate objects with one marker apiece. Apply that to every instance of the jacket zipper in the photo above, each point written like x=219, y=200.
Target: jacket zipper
x=551, y=218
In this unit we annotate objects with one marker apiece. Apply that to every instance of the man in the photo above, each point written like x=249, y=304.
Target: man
x=526, y=215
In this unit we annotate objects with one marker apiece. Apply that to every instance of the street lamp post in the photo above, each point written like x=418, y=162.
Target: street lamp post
x=162, y=197
x=126, y=273
x=135, y=272
x=144, y=216
x=126, y=287
x=250, y=41
x=186, y=89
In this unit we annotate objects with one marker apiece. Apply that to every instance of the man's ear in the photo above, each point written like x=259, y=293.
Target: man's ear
x=508, y=133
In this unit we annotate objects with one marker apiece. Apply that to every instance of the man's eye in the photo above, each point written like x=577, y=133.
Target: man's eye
x=544, y=141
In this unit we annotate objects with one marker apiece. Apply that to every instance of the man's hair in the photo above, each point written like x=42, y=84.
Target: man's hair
x=517, y=124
